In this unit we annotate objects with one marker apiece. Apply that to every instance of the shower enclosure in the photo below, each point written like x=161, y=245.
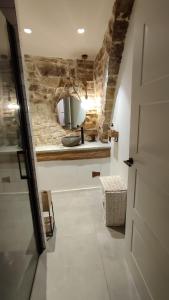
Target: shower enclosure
x=21, y=239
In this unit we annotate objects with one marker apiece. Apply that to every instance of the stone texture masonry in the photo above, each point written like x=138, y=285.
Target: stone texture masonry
x=107, y=62
x=47, y=77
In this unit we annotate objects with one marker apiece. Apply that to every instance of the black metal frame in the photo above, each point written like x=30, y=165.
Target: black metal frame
x=19, y=154
x=26, y=139
x=8, y=9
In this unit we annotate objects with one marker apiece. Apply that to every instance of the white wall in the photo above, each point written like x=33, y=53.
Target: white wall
x=71, y=174
x=121, y=115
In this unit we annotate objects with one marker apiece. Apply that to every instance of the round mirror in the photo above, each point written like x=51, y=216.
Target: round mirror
x=70, y=113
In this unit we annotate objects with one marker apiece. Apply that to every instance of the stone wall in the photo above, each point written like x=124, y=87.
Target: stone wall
x=47, y=78
x=107, y=62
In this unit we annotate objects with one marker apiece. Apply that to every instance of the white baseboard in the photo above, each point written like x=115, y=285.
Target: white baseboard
x=78, y=189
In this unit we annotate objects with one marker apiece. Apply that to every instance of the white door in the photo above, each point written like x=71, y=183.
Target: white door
x=147, y=233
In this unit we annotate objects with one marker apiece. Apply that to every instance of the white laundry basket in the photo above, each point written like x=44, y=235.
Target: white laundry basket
x=115, y=200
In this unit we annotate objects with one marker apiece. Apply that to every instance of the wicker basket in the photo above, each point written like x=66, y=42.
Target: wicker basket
x=115, y=200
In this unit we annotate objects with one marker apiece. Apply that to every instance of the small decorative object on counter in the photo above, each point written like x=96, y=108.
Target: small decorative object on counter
x=113, y=134
x=91, y=135
x=48, y=212
x=103, y=133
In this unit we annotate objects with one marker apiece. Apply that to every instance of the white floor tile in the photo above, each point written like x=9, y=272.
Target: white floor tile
x=87, y=262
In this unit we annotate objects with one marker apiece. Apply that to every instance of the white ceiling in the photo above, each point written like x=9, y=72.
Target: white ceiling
x=54, y=25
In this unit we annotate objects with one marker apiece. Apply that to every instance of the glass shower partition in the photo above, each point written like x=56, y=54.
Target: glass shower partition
x=19, y=246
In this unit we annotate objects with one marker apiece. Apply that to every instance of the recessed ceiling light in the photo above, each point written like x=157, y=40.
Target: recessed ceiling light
x=81, y=30
x=28, y=30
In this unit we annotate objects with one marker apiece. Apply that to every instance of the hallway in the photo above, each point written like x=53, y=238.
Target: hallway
x=86, y=261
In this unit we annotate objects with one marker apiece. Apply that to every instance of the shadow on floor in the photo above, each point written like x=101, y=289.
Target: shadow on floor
x=51, y=241
x=40, y=284
x=117, y=232
x=39, y=291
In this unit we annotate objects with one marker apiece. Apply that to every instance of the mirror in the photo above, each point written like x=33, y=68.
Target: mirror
x=70, y=113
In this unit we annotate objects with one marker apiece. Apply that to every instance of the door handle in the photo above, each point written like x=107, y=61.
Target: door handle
x=129, y=162
x=19, y=155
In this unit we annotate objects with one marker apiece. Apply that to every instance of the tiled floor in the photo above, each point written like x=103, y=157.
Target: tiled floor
x=85, y=261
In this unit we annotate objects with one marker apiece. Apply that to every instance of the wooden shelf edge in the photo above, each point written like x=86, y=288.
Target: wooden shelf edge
x=73, y=155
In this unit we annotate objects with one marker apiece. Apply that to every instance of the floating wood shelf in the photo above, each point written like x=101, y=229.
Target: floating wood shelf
x=73, y=154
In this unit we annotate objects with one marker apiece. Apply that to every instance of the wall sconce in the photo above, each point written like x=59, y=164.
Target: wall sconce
x=91, y=103
x=13, y=106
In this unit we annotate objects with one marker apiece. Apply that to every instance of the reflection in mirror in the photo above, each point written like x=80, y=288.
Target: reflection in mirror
x=9, y=108
x=70, y=112
x=18, y=251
